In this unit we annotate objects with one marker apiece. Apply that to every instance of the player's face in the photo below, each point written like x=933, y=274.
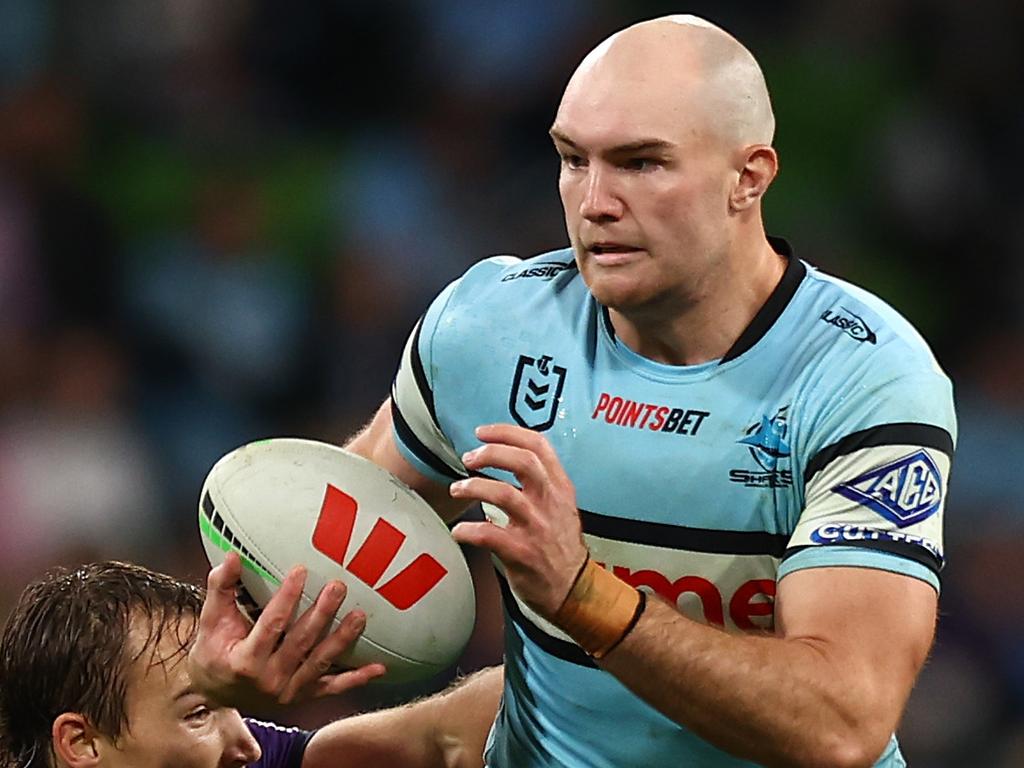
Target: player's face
x=172, y=726
x=645, y=188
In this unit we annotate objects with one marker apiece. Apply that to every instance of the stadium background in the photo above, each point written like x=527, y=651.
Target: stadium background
x=218, y=221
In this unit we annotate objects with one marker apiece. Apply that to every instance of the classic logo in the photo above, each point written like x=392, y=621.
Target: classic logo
x=851, y=324
x=536, y=392
x=766, y=442
x=545, y=270
x=905, y=491
x=333, y=534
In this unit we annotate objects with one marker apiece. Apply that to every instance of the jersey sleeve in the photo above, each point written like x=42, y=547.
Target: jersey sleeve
x=875, y=483
x=281, y=747
x=419, y=433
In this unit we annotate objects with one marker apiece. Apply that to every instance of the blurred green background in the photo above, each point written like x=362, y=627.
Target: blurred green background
x=218, y=221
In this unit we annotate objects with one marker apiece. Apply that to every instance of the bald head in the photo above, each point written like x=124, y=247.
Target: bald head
x=685, y=68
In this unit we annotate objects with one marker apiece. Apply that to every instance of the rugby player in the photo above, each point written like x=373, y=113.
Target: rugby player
x=95, y=672
x=714, y=476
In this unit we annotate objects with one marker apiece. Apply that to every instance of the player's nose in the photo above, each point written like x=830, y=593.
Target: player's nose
x=599, y=202
x=241, y=746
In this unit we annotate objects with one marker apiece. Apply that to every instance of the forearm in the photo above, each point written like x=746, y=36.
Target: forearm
x=827, y=690
x=447, y=730
x=402, y=736
x=778, y=701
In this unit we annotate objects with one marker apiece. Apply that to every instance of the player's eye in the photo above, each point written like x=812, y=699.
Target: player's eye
x=640, y=164
x=199, y=714
x=573, y=162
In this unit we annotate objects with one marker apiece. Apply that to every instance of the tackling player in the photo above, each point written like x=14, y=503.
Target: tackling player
x=93, y=674
x=678, y=403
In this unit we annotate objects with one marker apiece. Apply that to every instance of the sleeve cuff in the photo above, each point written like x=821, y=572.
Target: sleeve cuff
x=427, y=470
x=857, y=557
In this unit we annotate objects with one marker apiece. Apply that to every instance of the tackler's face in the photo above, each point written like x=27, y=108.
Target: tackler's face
x=170, y=725
x=644, y=184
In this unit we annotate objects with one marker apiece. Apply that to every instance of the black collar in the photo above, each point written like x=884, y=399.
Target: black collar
x=776, y=303
x=769, y=312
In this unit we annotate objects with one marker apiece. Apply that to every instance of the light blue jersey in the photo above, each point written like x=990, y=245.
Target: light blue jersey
x=823, y=438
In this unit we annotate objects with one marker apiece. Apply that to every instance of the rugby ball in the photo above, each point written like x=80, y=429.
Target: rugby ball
x=287, y=501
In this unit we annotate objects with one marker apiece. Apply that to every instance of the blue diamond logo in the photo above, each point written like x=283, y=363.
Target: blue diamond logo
x=905, y=491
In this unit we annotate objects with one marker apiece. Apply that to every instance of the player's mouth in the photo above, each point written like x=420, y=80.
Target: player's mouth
x=609, y=254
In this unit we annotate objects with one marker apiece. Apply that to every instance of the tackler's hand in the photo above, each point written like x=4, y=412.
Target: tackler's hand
x=274, y=660
x=542, y=547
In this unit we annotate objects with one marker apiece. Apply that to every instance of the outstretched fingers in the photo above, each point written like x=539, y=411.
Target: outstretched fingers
x=502, y=495
x=528, y=440
x=221, y=584
x=302, y=636
x=521, y=462
x=276, y=615
x=488, y=536
x=313, y=674
x=345, y=681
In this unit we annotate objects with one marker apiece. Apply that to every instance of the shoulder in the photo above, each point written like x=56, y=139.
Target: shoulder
x=870, y=365
x=882, y=332
x=498, y=278
x=281, y=746
x=495, y=293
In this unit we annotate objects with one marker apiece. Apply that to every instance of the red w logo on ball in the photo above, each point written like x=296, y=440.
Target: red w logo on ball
x=332, y=536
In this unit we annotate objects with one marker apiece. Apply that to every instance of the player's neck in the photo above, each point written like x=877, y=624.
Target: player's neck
x=698, y=329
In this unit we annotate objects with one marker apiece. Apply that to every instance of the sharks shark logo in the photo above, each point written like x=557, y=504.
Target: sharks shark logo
x=766, y=442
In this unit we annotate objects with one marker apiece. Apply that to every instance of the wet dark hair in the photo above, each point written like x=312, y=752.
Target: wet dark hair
x=65, y=648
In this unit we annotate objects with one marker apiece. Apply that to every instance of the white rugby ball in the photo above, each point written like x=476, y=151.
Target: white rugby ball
x=286, y=501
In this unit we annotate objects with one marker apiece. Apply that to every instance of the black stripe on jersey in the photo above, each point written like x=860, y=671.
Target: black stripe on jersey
x=565, y=651
x=608, y=322
x=683, y=537
x=713, y=540
x=904, y=433
x=414, y=444
x=777, y=302
x=419, y=374
x=901, y=548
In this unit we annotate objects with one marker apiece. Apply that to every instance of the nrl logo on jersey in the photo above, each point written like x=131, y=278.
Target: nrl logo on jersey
x=851, y=324
x=905, y=491
x=766, y=442
x=536, y=392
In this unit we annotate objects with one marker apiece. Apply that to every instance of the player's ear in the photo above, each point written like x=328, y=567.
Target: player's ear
x=760, y=163
x=75, y=742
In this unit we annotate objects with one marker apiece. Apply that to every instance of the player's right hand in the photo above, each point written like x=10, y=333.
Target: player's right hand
x=273, y=661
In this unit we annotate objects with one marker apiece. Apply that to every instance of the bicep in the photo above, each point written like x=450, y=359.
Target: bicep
x=877, y=625
x=376, y=442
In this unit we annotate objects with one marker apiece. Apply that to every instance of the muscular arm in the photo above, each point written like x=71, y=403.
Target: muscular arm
x=448, y=730
x=376, y=442
x=827, y=689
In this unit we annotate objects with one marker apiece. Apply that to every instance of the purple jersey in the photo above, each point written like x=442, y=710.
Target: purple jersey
x=282, y=747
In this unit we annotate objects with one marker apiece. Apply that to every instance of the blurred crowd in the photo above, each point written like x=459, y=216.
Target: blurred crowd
x=219, y=220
